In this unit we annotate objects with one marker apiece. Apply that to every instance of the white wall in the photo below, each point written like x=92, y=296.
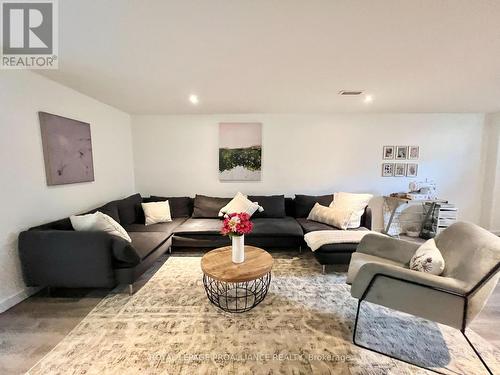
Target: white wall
x=178, y=155
x=26, y=198
x=490, y=217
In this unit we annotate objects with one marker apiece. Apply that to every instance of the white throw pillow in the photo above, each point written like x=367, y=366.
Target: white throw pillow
x=83, y=223
x=428, y=258
x=352, y=202
x=240, y=203
x=156, y=212
x=334, y=216
x=99, y=222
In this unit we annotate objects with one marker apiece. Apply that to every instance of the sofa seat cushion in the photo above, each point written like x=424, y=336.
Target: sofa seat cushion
x=360, y=259
x=274, y=227
x=282, y=227
x=199, y=226
x=167, y=228
x=337, y=248
x=199, y=241
x=313, y=226
x=145, y=243
x=207, y=241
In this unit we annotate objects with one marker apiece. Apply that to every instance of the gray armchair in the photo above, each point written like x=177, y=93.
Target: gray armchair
x=379, y=274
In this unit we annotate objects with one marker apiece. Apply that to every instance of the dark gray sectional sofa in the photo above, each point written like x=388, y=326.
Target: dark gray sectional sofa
x=55, y=255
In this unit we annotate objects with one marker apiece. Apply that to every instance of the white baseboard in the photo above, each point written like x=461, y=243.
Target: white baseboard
x=13, y=300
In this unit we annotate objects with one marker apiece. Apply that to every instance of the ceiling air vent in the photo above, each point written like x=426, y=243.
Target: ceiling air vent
x=350, y=92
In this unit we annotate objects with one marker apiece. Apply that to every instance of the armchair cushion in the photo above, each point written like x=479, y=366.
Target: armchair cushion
x=393, y=249
x=358, y=260
x=368, y=271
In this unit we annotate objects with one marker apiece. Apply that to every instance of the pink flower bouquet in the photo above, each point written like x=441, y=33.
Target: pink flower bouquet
x=236, y=224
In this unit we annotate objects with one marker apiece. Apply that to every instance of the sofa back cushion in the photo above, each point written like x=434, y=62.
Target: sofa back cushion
x=208, y=207
x=290, y=207
x=305, y=203
x=273, y=205
x=130, y=210
x=62, y=224
x=179, y=206
x=110, y=209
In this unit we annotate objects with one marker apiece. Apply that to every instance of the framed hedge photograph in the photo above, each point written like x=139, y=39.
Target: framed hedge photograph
x=401, y=152
x=412, y=170
x=400, y=170
x=388, y=152
x=413, y=152
x=387, y=169
x=240, y=151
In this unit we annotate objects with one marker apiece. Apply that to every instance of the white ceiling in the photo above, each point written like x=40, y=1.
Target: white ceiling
x=246, y=56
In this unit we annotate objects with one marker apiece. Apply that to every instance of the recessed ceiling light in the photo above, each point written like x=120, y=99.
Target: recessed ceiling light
x=194, y=99
x=368, y=99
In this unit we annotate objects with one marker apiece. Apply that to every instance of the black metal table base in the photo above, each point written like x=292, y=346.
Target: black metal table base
x=237, y=297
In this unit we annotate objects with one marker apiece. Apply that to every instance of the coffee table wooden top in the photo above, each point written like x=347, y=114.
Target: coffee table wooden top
x=219, y=266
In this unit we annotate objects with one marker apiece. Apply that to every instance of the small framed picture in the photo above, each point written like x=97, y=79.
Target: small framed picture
x=387, y=169
x=413, y=152
x=412, y=170
x=401, y=152
x=400, y=170
x=388, y=152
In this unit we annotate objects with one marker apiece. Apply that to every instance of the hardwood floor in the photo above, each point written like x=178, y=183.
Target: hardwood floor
x=488, y=321
x=32, y=328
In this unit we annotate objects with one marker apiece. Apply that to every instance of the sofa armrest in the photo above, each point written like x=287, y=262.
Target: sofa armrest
x=387, y=247
x=67, y=258
x=369, y=273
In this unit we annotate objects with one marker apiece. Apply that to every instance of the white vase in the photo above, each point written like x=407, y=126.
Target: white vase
x=238, y=248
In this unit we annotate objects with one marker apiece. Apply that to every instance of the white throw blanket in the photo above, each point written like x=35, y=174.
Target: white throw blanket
x=326, y=237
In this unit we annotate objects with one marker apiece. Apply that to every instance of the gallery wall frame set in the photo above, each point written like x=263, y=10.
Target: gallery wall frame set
x=400, y=153
x=399, y=170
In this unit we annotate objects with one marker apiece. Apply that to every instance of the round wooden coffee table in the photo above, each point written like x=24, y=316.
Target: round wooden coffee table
x=236, y=287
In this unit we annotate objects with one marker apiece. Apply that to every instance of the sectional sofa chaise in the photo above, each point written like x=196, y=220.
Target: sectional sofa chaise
x=55, y=255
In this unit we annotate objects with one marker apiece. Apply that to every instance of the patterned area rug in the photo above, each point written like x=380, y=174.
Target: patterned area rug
x=303, y=326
